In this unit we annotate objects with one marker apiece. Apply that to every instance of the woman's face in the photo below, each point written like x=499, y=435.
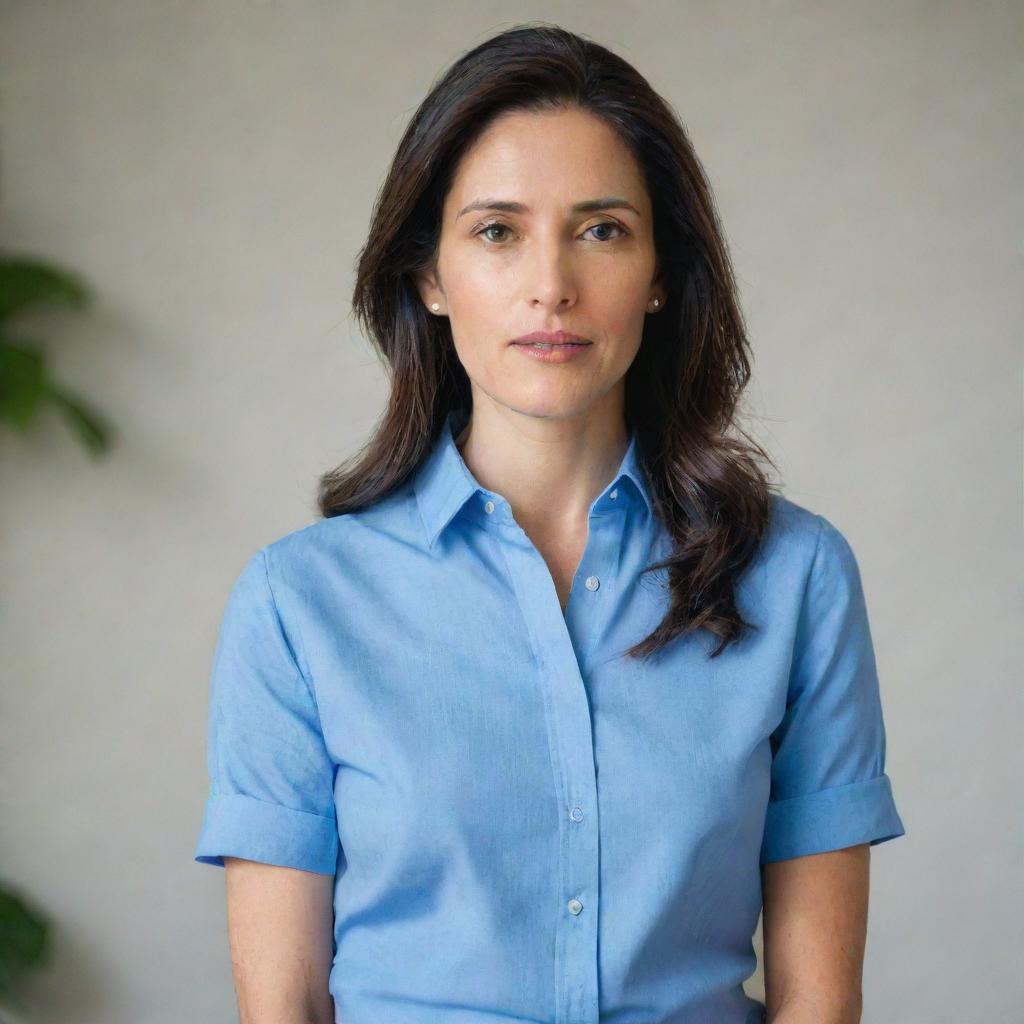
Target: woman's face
x=505, y=273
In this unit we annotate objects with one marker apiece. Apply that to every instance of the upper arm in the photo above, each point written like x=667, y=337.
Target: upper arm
x=814, y=929
x=271, y=795
x=270, y=818
x=281, y=932
x=830, y=799
x=829, y=787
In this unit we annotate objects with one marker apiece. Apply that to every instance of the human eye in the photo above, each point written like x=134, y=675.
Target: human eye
x=484, y=228
x=497, y=225
x=609, y=224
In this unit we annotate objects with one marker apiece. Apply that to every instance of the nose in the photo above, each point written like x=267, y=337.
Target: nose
x=551, y=277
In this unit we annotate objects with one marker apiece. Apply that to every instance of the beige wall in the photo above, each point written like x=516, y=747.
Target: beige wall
x=211, y=167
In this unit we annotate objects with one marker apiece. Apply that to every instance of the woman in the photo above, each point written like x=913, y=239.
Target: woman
x=559, y=692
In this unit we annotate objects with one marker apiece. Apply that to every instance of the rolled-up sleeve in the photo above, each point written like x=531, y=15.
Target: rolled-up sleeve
x=829, y=789
x=271, y=795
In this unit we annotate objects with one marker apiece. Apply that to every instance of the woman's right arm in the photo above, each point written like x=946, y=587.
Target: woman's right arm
x=281, y=932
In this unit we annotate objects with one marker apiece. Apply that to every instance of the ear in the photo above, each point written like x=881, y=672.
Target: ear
x=659, y=291
x=429, y=290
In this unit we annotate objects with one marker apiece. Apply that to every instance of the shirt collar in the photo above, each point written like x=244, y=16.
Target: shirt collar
x=444, y=484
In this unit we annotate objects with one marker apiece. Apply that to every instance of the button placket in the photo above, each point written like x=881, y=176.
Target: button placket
x=570, y=734
x=587, y=607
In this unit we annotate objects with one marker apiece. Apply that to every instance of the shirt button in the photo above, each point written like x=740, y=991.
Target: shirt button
x=489, y=507
x=576, y=814
x=592, y=583
x=614, y=494
x=575, y=906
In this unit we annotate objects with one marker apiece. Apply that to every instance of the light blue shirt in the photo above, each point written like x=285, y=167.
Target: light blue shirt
x=523, y=824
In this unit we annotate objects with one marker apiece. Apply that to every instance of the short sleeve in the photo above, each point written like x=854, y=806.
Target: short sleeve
x=829, y=789
x=271, y=796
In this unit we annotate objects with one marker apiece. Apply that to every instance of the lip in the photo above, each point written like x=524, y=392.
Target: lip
x=551, y=338
x=556, y=346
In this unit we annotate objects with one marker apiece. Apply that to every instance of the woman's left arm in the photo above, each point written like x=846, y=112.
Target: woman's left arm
x=814, y=927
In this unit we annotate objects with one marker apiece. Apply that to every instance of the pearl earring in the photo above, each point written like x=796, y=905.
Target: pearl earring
x=657, y=303
x=434, y=306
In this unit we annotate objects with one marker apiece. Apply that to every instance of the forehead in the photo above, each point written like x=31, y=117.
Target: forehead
x=552, y=159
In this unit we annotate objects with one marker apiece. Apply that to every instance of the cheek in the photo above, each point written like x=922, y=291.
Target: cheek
x=621, y=295
x=471, y=354
x=474, y=283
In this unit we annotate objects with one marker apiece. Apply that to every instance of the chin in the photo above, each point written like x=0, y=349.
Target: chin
x=550, y=407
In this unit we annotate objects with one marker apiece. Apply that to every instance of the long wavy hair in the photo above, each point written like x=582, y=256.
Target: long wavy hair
x=682, y=389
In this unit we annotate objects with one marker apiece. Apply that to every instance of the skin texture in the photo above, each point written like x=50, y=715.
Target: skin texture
x=814, y=930
x=280, y=929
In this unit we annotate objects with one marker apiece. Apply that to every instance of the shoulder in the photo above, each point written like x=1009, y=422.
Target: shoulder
x=802, y=554
x=799, y=529
x=811, y=552
x=793, y=531
x=311, y=554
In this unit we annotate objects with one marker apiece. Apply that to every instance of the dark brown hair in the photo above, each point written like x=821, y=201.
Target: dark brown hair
x=682, y=389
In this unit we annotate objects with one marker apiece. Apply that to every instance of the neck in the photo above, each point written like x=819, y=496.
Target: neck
x=550, y=469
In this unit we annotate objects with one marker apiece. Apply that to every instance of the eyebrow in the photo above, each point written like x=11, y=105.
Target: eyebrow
x=587, y=206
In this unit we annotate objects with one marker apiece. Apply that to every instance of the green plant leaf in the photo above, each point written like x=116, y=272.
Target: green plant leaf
x=25, y=941
x=25, y=386
x=26, y=283
x=22, y=383
x=93, y=430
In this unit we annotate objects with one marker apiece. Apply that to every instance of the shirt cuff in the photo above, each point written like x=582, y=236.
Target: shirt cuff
x=235, y=825
x=831, y=819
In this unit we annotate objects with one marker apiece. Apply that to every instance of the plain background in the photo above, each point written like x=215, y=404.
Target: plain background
x=210, y=168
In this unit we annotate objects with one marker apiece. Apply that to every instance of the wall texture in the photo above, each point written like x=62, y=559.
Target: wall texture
x=211, y=167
